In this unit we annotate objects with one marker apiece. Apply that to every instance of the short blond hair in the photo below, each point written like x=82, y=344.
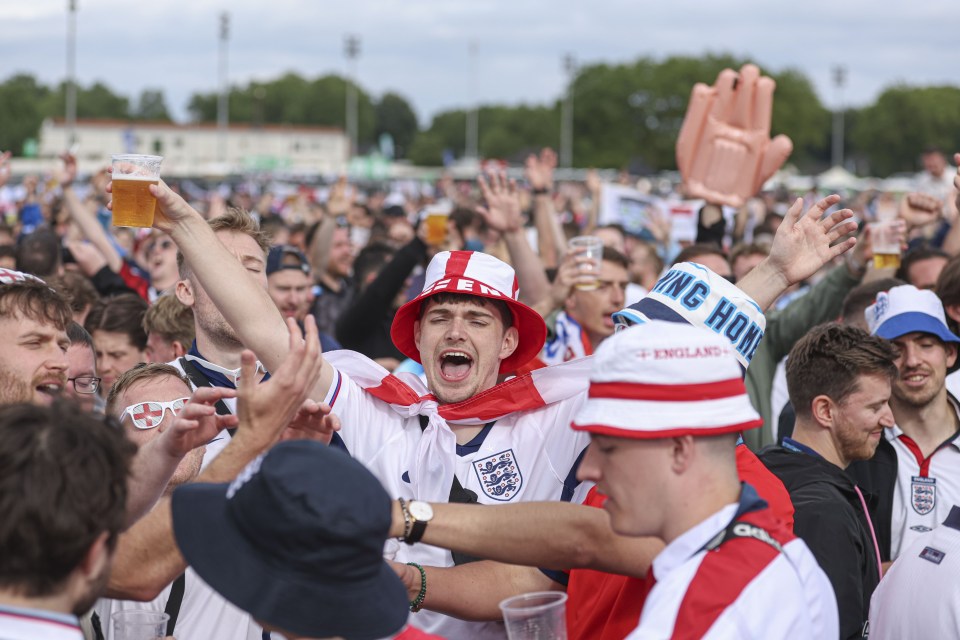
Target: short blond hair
x=238, y=221
x=171, y=320
x=143, y=371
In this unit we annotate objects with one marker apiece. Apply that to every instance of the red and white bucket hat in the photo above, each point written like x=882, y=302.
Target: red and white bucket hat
x=475, y=274
x=666, y=380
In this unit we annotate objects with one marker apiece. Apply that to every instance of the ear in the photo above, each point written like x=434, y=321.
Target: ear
x=681, y=453
x=97, y=557
x=823, y=408
x=953, y=311
x=951, y=349
x=178, y=349
x=416, y=334
x=184, y=292
x=511, y=338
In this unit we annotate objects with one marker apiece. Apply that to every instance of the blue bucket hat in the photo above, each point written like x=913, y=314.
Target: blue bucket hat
x=906, y=309
x=297, y=541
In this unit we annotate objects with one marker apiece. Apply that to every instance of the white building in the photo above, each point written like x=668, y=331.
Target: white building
x=195, y=149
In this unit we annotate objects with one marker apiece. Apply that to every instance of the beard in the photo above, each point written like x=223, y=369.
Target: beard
x=14, y=390
x=187, y=470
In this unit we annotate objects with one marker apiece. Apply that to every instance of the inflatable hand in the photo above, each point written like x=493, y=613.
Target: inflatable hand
x=724, y=151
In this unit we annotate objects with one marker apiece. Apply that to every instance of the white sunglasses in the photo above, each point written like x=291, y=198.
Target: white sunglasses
x=147, y=415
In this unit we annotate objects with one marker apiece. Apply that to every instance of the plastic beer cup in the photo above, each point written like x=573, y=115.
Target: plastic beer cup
x=139, y=624
x=590, y=247
x=133, y=204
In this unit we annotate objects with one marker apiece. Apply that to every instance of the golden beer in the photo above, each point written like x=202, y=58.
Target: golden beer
x=886, y=260
x=437, y=228
x=133, y=204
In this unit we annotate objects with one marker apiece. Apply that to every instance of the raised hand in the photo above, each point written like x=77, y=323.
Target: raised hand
x=171, y=207
x=340, y=199
x=539, y=170
x=503, y=211
x=805, y=241
x=5, y=167
x=724, y=150
x=267, y=408
x=314, y=421
x=919, y=209
x=68, y=173
x=198, y=422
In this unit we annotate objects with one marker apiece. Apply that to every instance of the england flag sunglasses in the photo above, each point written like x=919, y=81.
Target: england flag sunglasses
x=147, y=415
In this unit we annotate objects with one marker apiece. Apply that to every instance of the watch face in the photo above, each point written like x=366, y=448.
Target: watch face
x=422, y=511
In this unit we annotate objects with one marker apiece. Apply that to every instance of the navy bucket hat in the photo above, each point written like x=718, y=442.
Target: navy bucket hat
x=297, y=541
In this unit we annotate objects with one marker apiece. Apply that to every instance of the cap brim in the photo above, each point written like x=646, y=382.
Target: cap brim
x=914, y=322
x=531, y=329
x=277, y=595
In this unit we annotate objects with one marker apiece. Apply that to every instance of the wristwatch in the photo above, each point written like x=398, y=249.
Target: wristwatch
x=420, y=514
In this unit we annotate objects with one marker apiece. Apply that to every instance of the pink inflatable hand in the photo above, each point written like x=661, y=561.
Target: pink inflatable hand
x=724, y=151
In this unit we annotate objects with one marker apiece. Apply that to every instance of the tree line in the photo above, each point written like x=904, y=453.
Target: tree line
x=625, y=116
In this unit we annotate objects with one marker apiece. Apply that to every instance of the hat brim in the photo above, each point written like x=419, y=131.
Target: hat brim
x=277, y=595
x=914, y=322
x=675, y=432
x=531, y=329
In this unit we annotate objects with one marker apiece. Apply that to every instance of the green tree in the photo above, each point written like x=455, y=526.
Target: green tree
x=151, y=106
x=98, y=101
x=893, y=131
x=395, y=116
x=22, y=103
x=290, y=99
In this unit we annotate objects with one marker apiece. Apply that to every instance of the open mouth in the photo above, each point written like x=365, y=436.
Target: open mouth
x=455, y=365
x=50, y=390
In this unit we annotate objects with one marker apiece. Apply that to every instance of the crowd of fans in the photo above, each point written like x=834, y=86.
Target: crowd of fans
x=258, y=416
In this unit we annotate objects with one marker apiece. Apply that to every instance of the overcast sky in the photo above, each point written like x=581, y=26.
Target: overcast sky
x=420, y=47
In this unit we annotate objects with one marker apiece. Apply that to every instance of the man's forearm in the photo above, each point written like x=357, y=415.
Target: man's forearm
x=474, y=591
x=549, y=234
x=531, y=277
x=147, y=557
x=91, y=229
x=764, y=284
x=245, y=305
x=579, y=536
x=153, y=469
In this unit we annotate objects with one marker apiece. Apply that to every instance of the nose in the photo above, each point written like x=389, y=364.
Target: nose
x=455, y=330
x=589, y=469
x=886, y=419
x=909, y=356
x=617, y=296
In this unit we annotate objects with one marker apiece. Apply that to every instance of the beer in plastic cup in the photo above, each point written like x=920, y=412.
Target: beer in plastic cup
x=540, y=615
x=885, y=240
x=436, y=220
x=133, y=204
x=588, y=247
x=139, y=624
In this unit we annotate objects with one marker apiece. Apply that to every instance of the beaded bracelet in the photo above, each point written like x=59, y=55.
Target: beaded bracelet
x=417, y=603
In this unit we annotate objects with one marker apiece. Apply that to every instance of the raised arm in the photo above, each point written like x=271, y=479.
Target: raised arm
x=85, y=219
x=802, y=245
x=147, y=558
x=157, y=460
x=503, y=214
x=539, y=172
x=244, y=303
